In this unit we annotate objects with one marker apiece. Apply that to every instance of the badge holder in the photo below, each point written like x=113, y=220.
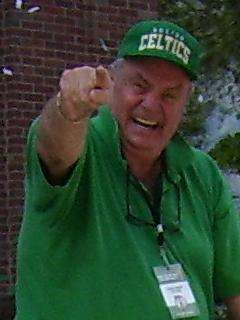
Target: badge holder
x=175, y=288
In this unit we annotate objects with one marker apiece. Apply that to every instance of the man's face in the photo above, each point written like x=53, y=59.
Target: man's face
x=149, y=96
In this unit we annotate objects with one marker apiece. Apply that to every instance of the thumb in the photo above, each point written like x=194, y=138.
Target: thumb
x=103, y=79
x=99, y=96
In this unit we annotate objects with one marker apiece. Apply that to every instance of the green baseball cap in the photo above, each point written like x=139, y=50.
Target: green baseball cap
x=164, y=40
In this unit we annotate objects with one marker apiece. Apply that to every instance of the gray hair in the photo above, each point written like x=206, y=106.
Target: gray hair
x=116, y=65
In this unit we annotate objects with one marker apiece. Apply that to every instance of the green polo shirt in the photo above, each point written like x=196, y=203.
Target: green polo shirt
x=80, y=259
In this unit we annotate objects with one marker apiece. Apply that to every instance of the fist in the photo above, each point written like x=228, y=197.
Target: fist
x=82, y=90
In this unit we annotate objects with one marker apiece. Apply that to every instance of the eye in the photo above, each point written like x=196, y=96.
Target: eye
x=139, y=86
x=170, y=96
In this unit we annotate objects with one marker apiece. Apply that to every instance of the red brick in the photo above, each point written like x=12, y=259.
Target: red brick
x=2, y=230
x=16, y=192
x=9, y=60
x=75, y=47
x=55, y=10
x=20, y=32
x=13, y=113
x=119, y=3
x=87, y=6
x=46, y=89
x=32, y=25
x=44, y=71
x=53, y=27
x=63, y=38
x=42, y=35
x=29, y=114
x=22, y=51
x=33, y=78
x=143, y=5
x=15, y=219
x=17, y=122
x=128, y=12
x=43, y=17
x=39, y=43
x=51, y=81
x=49, y=63
x=16, y=140
x=75, y=13
x=53, y=45
x=43, y=53
x=3, y=202
x=39, y=107
x=20, y=86
x=154, y=5
x=14, y=132
x=14, y=95
x=32, y=61
x=65, y=55
x=80, y=31
x=16, y=176
x=32, y=97
x=65, y=3
x=108, y=9
x=15, y=184
x=18, y=104
x=64, y=20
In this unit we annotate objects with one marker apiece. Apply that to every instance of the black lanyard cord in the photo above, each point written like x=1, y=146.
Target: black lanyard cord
x=130, y=217
x=157, y=225
x=140, y=222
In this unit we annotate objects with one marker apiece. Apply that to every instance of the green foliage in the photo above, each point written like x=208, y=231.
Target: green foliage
x=227, y=153
x=195, y=115
x=194, y=118
x=215, y=23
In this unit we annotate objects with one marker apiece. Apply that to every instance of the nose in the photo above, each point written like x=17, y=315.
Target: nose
x=152, y=102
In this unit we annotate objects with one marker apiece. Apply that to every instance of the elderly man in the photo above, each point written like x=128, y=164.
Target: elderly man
x=123, y=219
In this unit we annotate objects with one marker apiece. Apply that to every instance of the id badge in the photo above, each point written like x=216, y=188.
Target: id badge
x=176, y=291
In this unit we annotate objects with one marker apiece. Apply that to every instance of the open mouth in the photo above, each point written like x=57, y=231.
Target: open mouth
x=145, y=123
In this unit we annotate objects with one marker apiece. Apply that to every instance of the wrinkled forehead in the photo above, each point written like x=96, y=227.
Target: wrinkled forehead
x=155, y=69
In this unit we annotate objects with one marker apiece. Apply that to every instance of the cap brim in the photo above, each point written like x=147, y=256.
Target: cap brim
x=161, y=55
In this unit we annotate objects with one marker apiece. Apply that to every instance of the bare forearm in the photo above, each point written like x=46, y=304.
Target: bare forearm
x=64, y=120
x=60, y=141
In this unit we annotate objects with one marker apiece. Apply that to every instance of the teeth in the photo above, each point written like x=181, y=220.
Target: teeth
x=146, y=122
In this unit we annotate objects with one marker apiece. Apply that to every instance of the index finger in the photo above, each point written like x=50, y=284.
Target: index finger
x=102, y=78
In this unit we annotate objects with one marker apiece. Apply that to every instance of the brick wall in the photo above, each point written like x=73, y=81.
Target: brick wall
x=38, y=47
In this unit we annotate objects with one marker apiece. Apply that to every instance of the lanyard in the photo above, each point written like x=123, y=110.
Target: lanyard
x=154, y=208
x=158, y=224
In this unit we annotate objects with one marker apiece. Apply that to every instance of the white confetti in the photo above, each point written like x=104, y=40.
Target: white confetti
x=18, y=4
x=7, y=71
x=34, y=9
x=103, y=45
x=200, y=98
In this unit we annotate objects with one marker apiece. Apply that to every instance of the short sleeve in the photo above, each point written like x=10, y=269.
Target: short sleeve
x=41, y=196
x=227, y=245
